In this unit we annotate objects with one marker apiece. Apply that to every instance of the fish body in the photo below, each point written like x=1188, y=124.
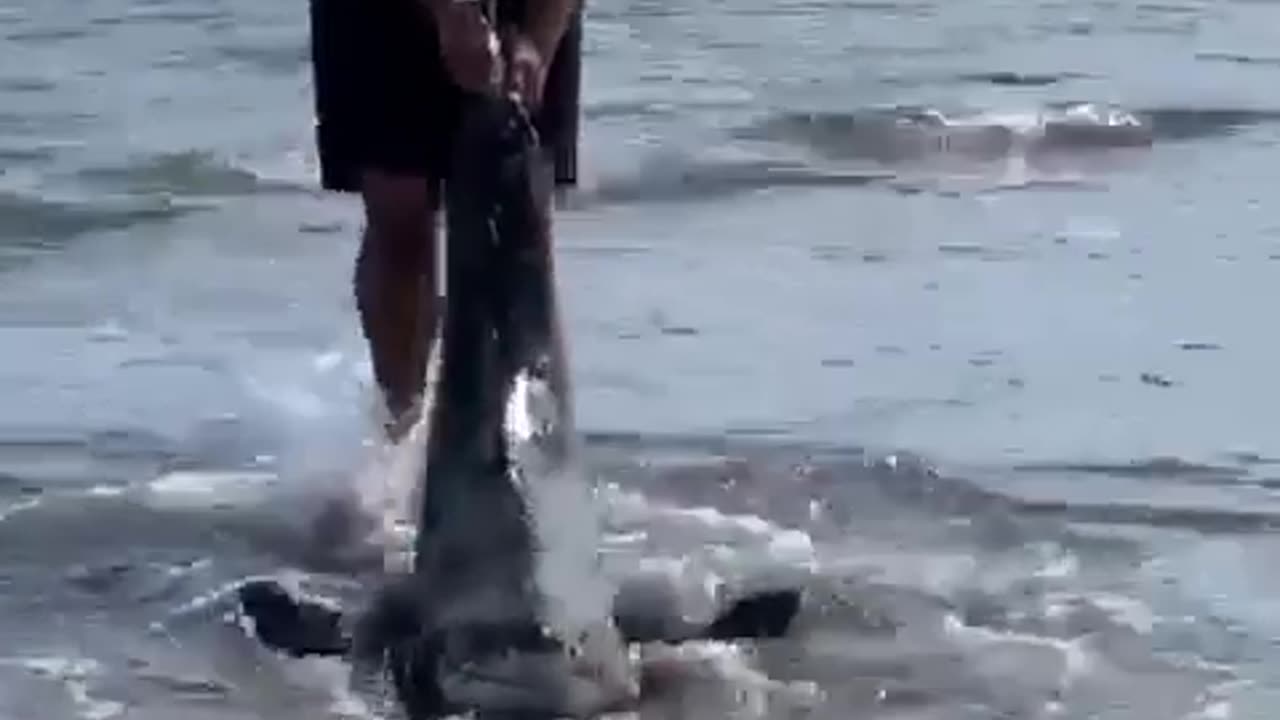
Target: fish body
x=518, y=612
x=506, y=613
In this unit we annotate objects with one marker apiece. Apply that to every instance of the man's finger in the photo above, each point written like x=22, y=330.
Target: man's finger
x=516, y=83
x=528, y=87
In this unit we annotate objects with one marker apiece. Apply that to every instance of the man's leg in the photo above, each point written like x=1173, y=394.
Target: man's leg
x=385, y=113
x=395, y=287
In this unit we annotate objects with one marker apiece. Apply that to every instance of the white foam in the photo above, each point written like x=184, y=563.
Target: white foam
x=202, y=606
x=684, y=584
x=325, y=396
x=940, y=571
x=1126, y=611
x=1215, y=710
x=298, y=401
x=387, y=488
x=625, y=539
x=19, y=507
x=206, y=482
x=111, y=330
x=106, y=491
x=200, y=489
x=391, y=480
x=367, y=475
x=1057, y=564
x=717, y=679
x=1073, y=656
x=294, y=162
x=327, y=361
x=1216, y=703
x=792, y=547
x=568, y=526
x=712, y=526
x=75, y=676
x=569, y=534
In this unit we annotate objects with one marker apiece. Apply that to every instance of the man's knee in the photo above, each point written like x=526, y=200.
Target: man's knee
x=400, y=214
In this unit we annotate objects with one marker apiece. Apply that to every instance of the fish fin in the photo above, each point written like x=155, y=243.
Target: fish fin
x=296, y=626
x=766, y=614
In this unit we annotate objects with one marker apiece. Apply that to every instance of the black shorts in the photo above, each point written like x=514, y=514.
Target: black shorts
x=384, y=101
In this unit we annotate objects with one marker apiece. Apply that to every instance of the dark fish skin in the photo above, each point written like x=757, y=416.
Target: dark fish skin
x=500, y=322
x=502, y=325
x=477, y=547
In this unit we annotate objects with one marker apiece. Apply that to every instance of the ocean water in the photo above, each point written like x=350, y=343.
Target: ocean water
x=955, y=312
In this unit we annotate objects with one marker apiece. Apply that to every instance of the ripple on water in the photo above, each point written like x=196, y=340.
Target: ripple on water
x=28, y=153
x=30, y=224
x=687, y=180
x=43, y=125
x=49, y=36
x=1017, y=79
x=26, y=84
x=164, y=13
x=190, y=173
x=77, y=678
x=1238, y=58
x=286, y=56
x=902, y=134
x=1160, y=468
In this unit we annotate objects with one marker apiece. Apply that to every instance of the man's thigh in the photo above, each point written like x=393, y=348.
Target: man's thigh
x=383, y=100
x=398, y=203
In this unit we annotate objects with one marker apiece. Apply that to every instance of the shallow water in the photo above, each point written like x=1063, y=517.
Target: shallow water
x=841, y=307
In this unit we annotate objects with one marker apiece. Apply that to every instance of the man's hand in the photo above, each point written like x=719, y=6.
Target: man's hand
x=468, y=45
x=526, y=70
x=475, y=58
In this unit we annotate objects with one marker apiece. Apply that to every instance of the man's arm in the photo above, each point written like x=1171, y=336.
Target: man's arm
x=467, y=44
x=546, y=22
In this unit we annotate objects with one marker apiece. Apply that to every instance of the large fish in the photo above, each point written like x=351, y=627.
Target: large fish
x=507, y=611
x=507, y=534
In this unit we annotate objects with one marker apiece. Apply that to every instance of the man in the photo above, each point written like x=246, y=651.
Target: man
x=389, y=77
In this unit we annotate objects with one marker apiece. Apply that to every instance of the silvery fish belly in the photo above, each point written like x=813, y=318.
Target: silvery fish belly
x=508, y=535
